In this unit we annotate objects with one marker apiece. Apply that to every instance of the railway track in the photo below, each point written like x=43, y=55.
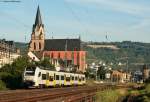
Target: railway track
x=43, y=94
x=69, y=94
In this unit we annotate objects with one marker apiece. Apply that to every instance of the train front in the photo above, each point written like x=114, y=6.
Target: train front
x=29, y=76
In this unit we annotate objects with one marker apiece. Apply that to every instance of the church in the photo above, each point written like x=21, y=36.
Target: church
x=61, y=52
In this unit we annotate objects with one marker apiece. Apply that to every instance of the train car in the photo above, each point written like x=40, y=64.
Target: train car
x=38, y=77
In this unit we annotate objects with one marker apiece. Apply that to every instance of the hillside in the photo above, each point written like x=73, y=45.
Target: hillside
x=135, y=53
x=22, y=46
x=112, y=52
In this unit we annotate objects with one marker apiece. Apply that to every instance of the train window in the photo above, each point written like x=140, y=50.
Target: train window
x=30, y=68
x=39, y=74
x=79, y=79
x=51, y=78
x=57, y=77
x=30, y=71
x=72, y=77
x=54, y=76
x=67, y=78
x=76, y=78
x=62, y=77
x=83, y=78
x=43, y=76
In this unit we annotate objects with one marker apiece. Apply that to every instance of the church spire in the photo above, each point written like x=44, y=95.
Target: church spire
x=38, y=20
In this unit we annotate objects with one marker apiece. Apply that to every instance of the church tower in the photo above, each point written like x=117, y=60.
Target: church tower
x=37, y=36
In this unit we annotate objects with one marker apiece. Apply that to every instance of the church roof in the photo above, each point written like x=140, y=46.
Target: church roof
x=62, y=45
x=38, y=20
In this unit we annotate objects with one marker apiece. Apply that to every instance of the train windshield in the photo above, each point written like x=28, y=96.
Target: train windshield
x=30, y=71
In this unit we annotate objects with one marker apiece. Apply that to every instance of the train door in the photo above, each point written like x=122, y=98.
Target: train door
x=68, y=79
x=75, y=80
x=71, y=79
x=79, y=79
x=57, y=79
x=54, y=82
x=39, y=79
x=65, y=79
x=47, y=79
x=51, y=79
x=84, y=80
x=43, y=80
x=62, y=80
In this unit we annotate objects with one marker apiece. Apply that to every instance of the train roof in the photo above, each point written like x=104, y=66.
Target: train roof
x=42, y=68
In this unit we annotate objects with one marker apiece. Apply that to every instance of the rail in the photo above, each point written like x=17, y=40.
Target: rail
x=69, y=94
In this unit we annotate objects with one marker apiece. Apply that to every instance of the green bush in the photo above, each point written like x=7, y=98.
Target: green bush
x=11, y=75
x=146, y=99
x=2, y=85
x=45, y=63
x=144, y=94
x=11, y=81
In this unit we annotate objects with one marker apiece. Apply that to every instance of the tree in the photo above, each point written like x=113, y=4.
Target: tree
x=45, y=63
x=11, y=74
x=101, y=72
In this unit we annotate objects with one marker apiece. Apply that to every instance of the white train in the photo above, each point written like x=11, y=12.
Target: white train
x=37, y=77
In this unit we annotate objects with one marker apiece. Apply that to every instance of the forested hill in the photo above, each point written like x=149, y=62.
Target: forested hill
x=22, y=46
x=112, y=52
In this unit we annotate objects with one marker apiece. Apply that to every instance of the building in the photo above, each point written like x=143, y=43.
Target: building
x=137, y=76
x=8, y=52
x=62, y=52
x=146, y=72
x=120, y=76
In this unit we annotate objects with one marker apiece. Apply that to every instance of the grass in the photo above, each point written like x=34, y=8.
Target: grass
x=90, y=82
x=146, y=94
x=143, y=95
x=147, y=88
x=110, y=95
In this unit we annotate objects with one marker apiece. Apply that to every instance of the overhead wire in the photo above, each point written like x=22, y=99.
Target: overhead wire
x=67, y=5
x=10, y=16
x=84, y=26
x=10, y=1
x=14, y=18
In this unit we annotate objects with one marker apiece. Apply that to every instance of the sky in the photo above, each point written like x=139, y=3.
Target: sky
x=92, y=20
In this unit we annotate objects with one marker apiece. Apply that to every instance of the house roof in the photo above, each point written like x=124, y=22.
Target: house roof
x=62, y=45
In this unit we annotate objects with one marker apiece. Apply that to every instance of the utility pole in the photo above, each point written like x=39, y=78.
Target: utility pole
x=96, y=72
x=127, y=66
x=127, y=71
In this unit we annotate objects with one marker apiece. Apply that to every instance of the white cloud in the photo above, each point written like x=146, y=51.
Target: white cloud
x=117, y=5
x=137, y=9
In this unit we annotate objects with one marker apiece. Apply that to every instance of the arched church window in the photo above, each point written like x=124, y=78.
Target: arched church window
x=52, y=55
x=39, y=45
x=34, y=46
x=59, y=55
x=41, y=35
